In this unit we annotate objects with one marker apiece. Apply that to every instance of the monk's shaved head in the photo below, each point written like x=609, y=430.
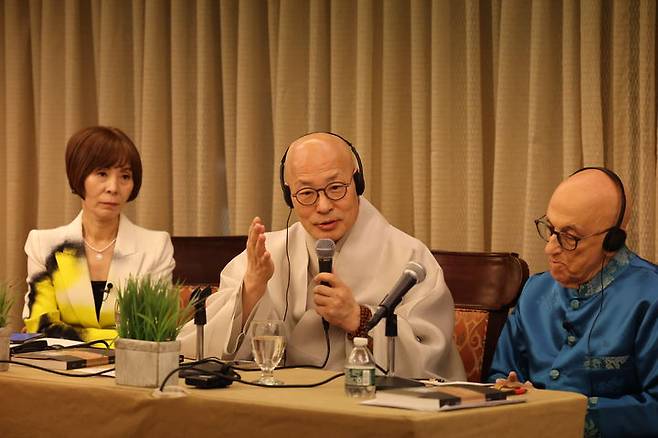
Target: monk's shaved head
x=323, y=163
x=319, y=149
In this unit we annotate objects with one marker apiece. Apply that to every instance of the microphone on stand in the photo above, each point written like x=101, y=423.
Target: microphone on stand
x=199, y=298
x=413, y=274
x=324, y=248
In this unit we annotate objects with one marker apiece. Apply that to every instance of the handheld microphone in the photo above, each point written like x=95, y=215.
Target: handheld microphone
x=199, y=298
x=324, y=248
x=413, y=273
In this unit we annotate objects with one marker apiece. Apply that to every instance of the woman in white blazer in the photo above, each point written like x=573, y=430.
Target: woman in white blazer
x=75, y=270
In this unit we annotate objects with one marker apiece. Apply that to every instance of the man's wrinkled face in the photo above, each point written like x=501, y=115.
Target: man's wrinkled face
x=323, y=162
x=578, y=211
x=578, y=266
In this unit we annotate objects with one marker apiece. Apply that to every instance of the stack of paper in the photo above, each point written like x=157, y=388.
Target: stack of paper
x=442, y=398
x=67, y=358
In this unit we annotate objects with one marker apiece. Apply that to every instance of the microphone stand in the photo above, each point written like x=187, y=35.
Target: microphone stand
x=199, y=296
x=390, y=380
x=199, y=342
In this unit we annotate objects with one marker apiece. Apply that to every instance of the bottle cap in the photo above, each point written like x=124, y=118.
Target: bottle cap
x=360, y=342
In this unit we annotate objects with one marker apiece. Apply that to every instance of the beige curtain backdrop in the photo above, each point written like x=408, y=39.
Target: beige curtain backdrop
x=466, y=113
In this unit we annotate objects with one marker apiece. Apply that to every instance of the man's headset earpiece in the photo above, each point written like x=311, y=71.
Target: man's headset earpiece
x=359, y=180
x=616, y=236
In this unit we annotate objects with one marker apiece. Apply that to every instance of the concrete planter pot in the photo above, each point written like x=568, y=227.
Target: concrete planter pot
x=4, y=347
x=146, y=363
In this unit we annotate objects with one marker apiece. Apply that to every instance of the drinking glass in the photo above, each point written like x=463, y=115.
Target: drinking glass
x=268, y=343
x=117, y=318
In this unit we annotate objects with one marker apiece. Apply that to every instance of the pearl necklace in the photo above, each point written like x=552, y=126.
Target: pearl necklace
x=99, y=252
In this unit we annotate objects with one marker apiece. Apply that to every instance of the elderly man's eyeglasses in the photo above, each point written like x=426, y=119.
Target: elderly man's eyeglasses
x=334, y=191
x=566, y=240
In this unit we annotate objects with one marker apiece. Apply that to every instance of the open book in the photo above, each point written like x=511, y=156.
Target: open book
x=67, y=358
x=442, y=398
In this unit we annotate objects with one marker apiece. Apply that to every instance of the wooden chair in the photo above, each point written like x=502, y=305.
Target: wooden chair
x=484, y=286
x=199, y=260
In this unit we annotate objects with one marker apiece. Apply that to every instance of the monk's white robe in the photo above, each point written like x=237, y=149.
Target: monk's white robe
x=369, y=259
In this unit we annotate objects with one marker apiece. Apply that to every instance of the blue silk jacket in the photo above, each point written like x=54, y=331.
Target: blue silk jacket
x=600, y=340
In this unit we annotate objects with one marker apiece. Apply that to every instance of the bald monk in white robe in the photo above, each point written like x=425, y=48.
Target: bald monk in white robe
x=260, y=283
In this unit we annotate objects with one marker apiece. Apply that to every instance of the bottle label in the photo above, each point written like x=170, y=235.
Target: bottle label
x=359, y=376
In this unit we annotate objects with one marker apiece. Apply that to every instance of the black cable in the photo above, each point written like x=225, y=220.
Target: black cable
x=298, y=385
x=200, y=370
x=86, y=344
x=61, y=347
x=59, y=373
x=234, y=364
x=319, y=367
x=38, y=345
x=285, y=313
x=288, y=367
x=325, y=327
x=193, y=366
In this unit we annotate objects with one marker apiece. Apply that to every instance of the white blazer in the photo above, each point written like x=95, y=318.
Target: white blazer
x=137, y=251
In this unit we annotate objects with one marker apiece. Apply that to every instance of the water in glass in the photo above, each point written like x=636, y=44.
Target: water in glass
x=268, y=350
x=268, y=343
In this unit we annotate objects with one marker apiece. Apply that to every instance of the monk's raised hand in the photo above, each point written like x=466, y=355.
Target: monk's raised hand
x=260, y=266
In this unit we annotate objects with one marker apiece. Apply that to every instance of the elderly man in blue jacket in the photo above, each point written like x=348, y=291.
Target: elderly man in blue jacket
x=589, y=324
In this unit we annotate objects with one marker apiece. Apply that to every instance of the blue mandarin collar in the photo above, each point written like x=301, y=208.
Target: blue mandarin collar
x=604, y=278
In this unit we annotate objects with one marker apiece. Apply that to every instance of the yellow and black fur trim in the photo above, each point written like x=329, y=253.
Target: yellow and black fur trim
x=54, y=329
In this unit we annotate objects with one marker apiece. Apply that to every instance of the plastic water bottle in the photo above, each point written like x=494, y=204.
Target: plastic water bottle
x=360, y=371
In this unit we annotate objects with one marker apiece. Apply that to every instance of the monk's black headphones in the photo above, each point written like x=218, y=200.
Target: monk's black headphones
x=616, y=236
x=359, y=180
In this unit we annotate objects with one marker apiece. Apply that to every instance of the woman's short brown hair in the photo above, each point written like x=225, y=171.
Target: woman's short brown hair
x=101, y=147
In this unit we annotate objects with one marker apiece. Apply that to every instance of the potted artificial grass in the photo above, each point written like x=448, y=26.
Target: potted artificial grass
x=5, y=307
x=149, y=320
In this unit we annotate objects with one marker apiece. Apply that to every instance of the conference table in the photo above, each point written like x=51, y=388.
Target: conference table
x=34, y=404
